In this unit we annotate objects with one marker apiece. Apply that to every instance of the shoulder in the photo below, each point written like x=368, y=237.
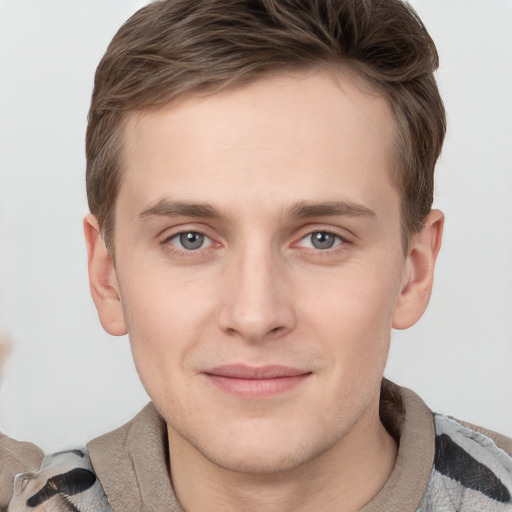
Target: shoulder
x=501, y=441
x=443, y=464
x=15, y=457
x=472, y=468
x=63, y=480
x=78, y=479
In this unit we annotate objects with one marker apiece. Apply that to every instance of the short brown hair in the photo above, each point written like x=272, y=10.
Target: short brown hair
x=172, y=47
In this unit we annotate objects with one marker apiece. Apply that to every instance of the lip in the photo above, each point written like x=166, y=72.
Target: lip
x=256, y=382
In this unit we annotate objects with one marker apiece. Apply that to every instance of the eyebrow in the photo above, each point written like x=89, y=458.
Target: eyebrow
x=305, y=210
x=166, y=208
x=301, y=210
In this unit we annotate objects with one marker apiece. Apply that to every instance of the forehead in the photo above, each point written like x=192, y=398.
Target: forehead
x=320, y=132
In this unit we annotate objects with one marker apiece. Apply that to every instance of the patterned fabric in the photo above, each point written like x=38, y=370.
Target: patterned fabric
x=65, y=483
x=470, y=474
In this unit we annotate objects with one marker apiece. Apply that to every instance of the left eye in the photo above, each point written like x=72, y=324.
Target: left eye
x=190, y=240
x=321, y=240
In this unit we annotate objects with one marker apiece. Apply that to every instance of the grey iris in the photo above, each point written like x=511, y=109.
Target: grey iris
x=191, y=240
x=322, y=240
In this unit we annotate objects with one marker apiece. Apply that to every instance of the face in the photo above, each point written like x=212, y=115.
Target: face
x=259, y=265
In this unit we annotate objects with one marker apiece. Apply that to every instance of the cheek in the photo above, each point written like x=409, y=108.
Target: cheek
x=163, y=303
x=358, y=297
x=166, y=316
x=352, y=313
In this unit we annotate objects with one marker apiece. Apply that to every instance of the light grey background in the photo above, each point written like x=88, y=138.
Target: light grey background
x=67, y=381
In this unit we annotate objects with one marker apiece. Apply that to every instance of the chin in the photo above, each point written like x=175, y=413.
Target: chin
x=264, y=451
x=258, y=461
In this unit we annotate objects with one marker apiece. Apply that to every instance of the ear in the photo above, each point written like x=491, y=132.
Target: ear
x=103, y=280
x=419, y=272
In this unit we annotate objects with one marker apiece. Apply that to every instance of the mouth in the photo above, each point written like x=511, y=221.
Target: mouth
x=260, y=382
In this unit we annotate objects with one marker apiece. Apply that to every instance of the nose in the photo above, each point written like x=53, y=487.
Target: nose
x=257, y=304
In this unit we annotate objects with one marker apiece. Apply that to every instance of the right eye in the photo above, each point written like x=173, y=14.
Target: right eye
x=190, y=241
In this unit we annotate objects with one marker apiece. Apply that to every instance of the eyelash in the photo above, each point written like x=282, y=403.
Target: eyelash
x=187, y=252
x=340, y=243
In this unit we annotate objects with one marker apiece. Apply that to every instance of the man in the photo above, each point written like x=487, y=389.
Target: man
x=260, y=178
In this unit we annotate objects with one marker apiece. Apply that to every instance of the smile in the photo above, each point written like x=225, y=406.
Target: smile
x=256, y=382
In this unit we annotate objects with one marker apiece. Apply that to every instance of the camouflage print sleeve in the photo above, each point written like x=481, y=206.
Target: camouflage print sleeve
x=14, y=458
x=65, y=482
x=470, y=474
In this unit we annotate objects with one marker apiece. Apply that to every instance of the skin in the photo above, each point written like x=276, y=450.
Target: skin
x=275, y=162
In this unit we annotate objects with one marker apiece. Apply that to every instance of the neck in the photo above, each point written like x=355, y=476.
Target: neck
x=344, y=478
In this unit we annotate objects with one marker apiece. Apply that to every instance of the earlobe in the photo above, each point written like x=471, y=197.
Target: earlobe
x=102, y=280
x=419, y=272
